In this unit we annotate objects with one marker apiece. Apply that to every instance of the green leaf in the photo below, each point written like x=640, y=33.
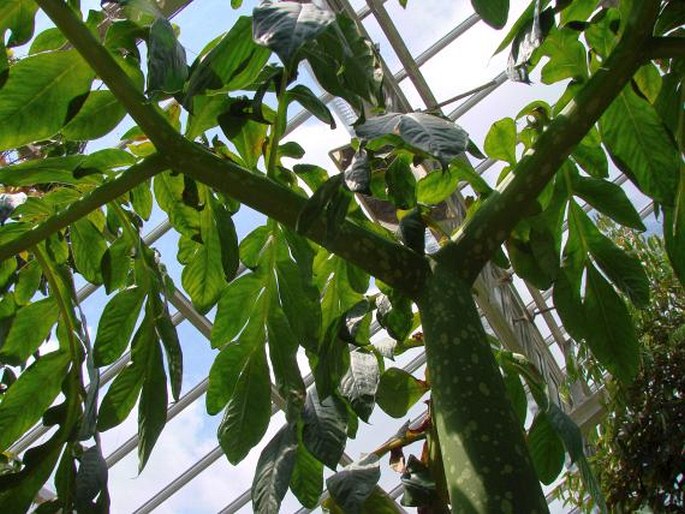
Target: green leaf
x=394, y=313
x=31, y=326
x=570, y=434
x=325, y=428
x=33, y=392
x=640, y=145
x=47, y=41
x=307, y=99
x=18, y=17
x=398, y=391
x=247, y=135
x=436, y=187
x=235, y=307
x=172, y=347
x=648, y=80
x=116, y=264
x=592, y=158
x=569, y=306
x=360, y=382
x=579, y=10
x=19, y=490
x=169, y=193
x=116, y=325
x=37, y=99
x=87, y=247
x=283, y=346
x=346, y=64
x=91, y=479
x=623, y=269
x=307, y=478
x=121, y=397
x=500, y=143
x=28, y=282
x=535, y=259
x=352, y=485
x=203, y=277
x=609, y=199
x=274, y=469
x=493, y=12
x=204, y=114
x=153, y=401
x=419, y=485
x=248, y=413
x=50, y=170
x=546, y=449
x=412, y=231
x=230, y=66
x=401, y=182
x=100, y=114
x=567, y=57
x=610, y=335
x=300, y=302
x=224, y=375
x=357, y=176
x=286, y=26
x=432, y=135
x=166, y=61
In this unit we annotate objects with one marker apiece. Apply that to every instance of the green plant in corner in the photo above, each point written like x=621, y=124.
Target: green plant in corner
x=308, y=268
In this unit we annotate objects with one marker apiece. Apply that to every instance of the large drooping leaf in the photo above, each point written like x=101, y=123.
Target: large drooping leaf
x=91, y=479
x=285, y=27
x=360, y=382
x=116, y=325
x=546, y=449
x=39, y=95
x=274, y=469
x=87, y=247
x=166, y=61
x=152, y=408
x=398, y=391
x=493, y=12
x=249, y=410
x=352, y=485
x=640, y=145
x=100, y=114
x=325, y=425
x=432, y=135
x=231, y=65
x=204, y=276
x=307, y=478
x=17, y=16
x=121, y=397
x=622, y=268
x=33, y=392
x=610, y=333
x=30, y=327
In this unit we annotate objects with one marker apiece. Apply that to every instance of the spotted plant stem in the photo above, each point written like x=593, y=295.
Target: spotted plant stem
x=486, y=461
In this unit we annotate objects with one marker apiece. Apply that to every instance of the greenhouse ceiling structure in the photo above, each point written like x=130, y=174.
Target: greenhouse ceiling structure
x=438, y=57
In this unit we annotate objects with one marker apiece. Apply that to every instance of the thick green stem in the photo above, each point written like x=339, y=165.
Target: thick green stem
x=486, y=461
x=488, y=228
x=80, y=208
